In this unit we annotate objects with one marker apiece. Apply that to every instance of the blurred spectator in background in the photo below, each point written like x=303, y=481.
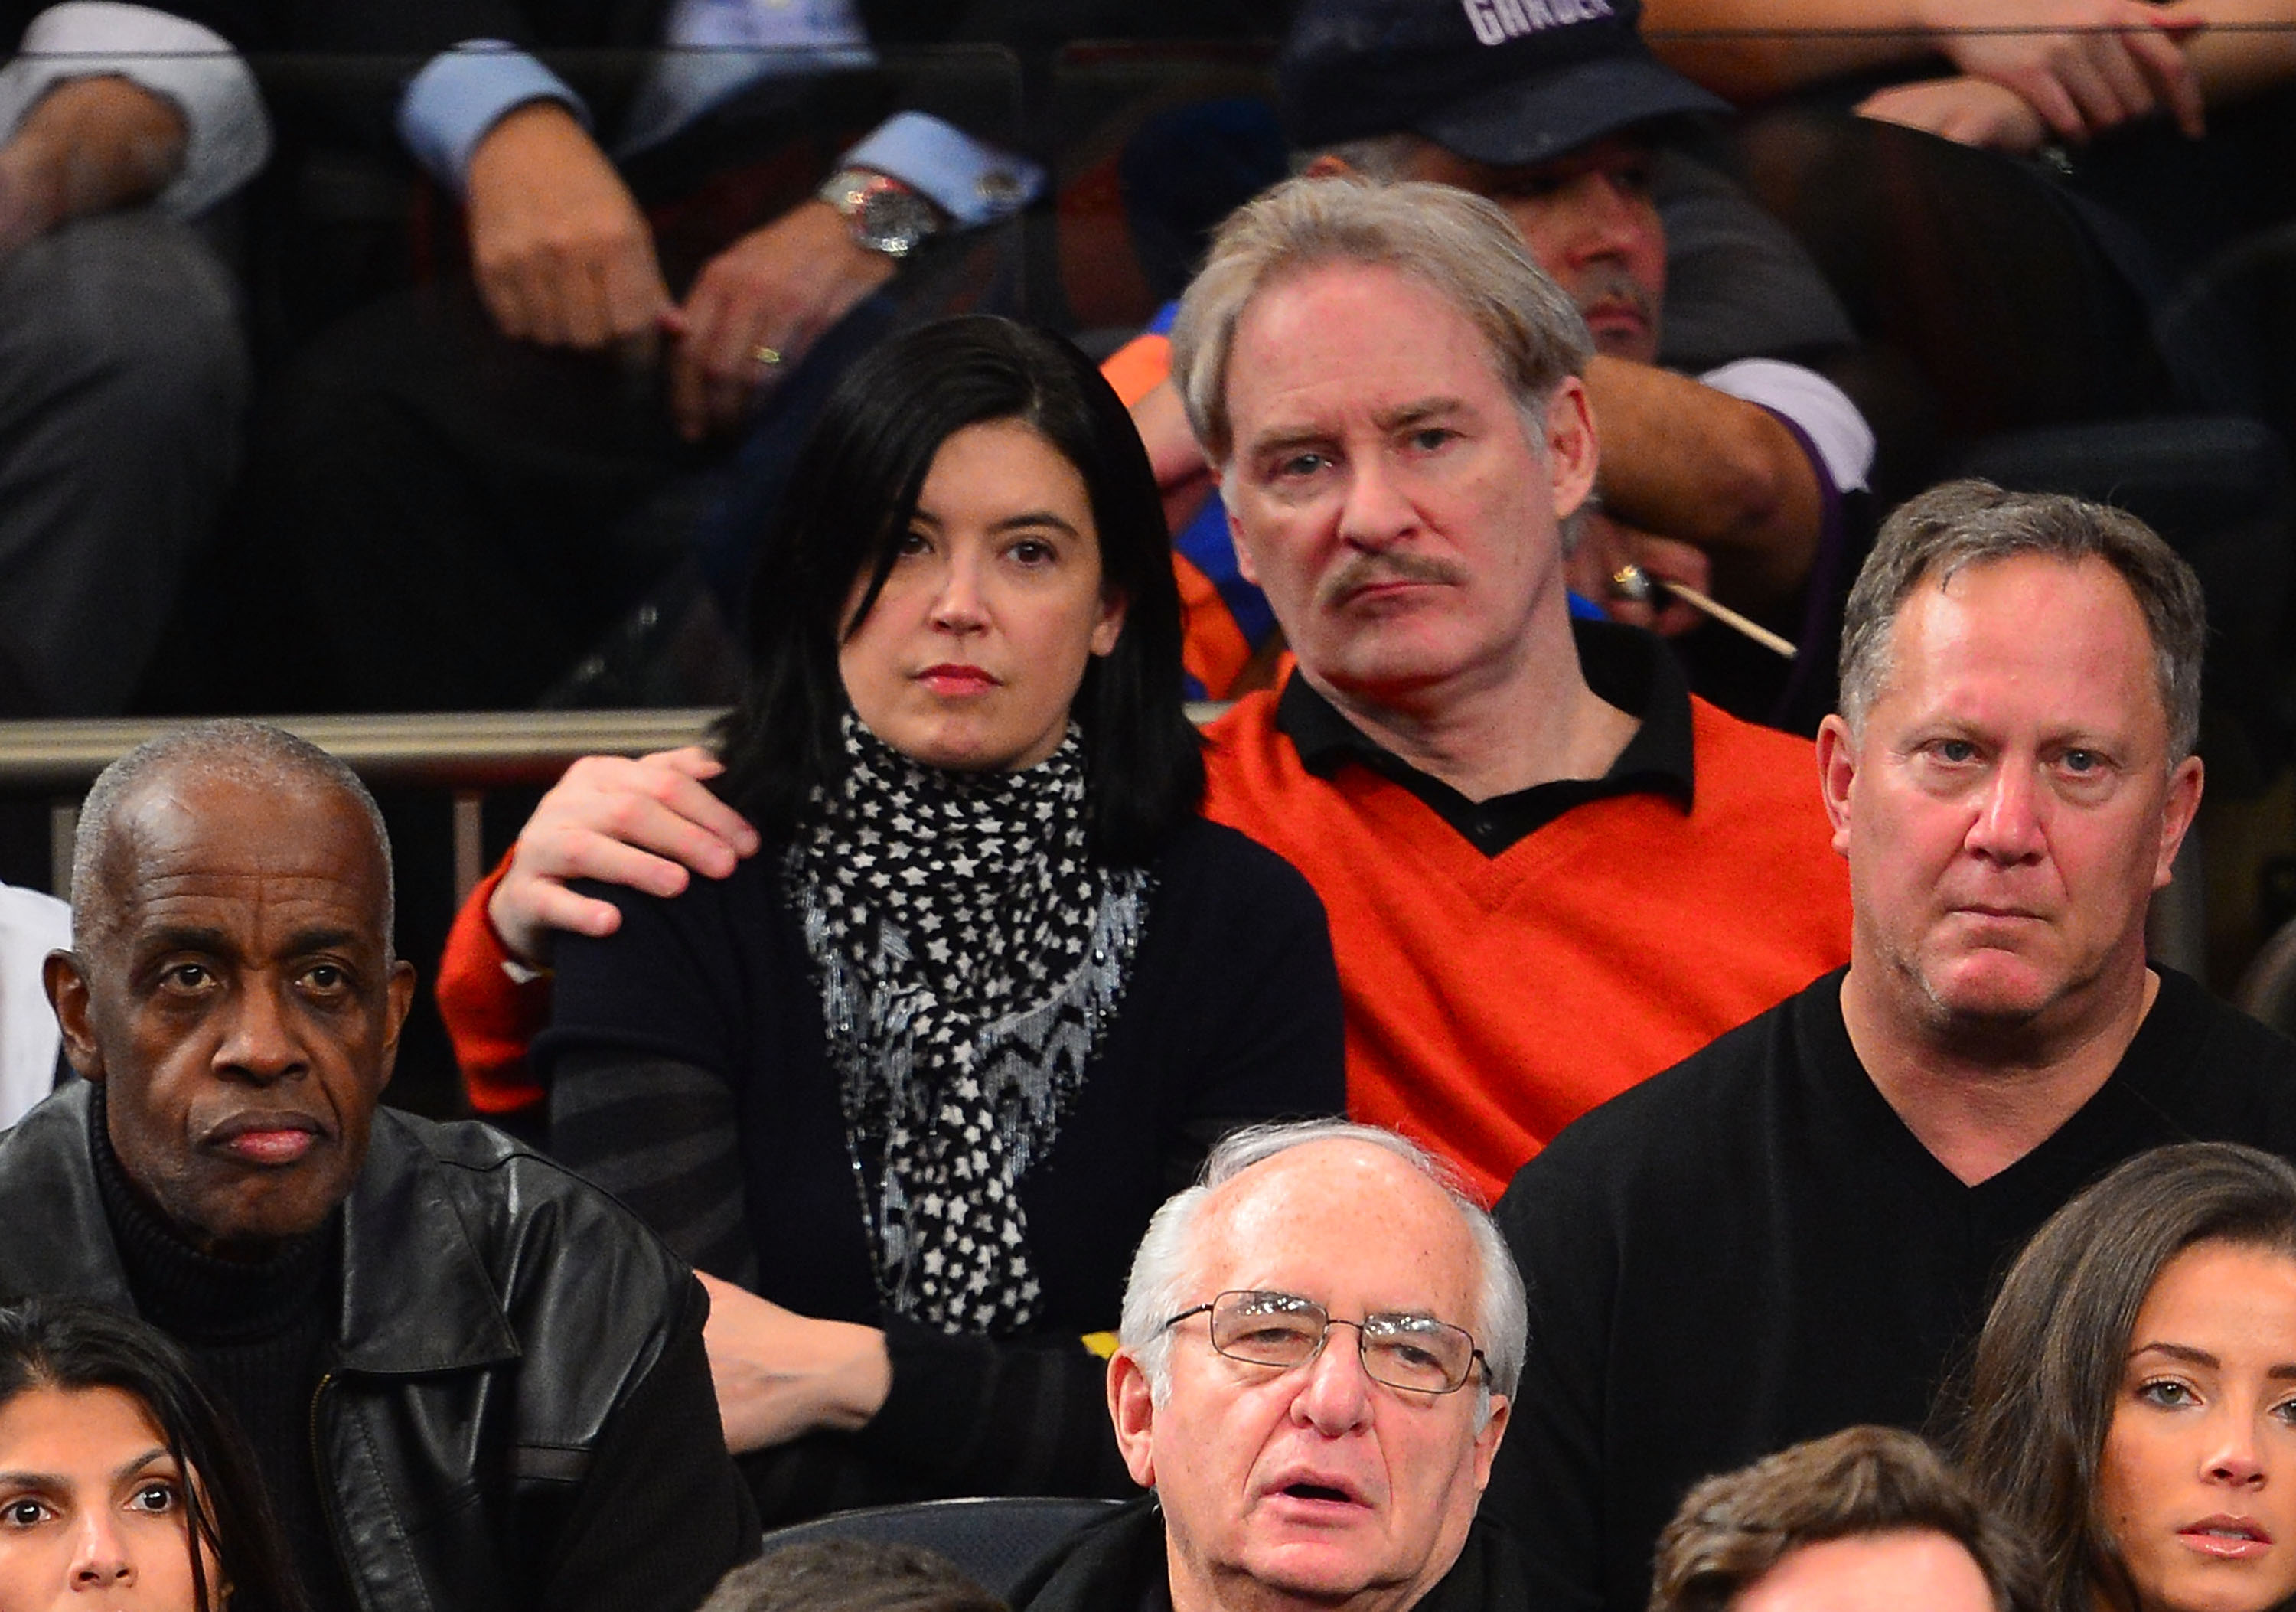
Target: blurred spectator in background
x=443, y=488
x=1733, y=483
x=1868, y=1519
x=2028, y=70
x=32, y=924
x=454, y=488
x=123, y=368
x=2116, y=95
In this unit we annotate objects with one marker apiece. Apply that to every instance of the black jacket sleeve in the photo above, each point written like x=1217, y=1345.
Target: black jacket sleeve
x=662, y=1514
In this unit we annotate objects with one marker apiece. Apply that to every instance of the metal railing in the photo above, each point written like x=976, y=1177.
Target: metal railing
x=465, y=753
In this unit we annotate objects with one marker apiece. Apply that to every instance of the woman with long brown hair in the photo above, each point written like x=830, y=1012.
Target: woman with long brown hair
x=2132, y=1401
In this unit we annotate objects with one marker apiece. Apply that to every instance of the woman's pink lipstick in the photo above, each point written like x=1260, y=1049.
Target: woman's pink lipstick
x=2231, y=1538
x=956, y=680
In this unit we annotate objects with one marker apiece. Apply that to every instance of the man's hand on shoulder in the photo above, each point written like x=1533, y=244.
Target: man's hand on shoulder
x=776, y=290
x=89, y=145
x=562, y=255
x=642, y=823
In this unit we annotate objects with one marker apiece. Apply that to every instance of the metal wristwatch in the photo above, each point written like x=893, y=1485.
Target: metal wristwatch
x=885, y=215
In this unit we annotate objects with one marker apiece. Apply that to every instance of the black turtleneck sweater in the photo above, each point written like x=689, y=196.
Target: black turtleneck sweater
x=256, y=1329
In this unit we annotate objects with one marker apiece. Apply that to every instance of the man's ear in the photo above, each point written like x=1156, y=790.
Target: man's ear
x=65, y=976
x=1246, y=566
x=400, y=998
x=1572, y=449
x=1487, y=1441
x=2177, y=816
x=1837, y=770
x=1133, y=1410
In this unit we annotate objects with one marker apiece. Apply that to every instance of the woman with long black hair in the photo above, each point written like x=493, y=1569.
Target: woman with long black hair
x=911, y=1081
x=122, y=1484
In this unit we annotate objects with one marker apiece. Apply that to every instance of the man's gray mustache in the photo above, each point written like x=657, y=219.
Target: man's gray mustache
x=1372, y=571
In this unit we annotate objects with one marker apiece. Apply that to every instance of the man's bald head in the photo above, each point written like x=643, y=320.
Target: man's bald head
x=231, y=992
x=252, y=755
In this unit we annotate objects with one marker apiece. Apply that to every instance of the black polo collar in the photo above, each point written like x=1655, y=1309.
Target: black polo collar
x=1625, y=666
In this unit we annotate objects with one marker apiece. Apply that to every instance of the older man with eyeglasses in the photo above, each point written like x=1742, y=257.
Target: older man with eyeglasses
x=1319, y=1343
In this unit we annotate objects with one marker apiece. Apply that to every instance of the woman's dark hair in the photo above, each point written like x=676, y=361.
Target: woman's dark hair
x=2047, y=1372
x=75, y=1345
x=849, y=505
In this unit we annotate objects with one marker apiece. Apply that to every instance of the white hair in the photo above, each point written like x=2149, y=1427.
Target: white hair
x=1159, y=1286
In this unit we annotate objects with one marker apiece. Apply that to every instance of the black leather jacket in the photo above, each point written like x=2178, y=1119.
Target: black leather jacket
x=515, y=1407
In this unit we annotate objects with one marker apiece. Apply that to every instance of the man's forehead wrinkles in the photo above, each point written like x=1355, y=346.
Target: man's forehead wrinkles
x=272, y=904
x=1306, y=426
x=1402, y=415
x=192, y=888
x=1967, y=701
x=1273, y=1232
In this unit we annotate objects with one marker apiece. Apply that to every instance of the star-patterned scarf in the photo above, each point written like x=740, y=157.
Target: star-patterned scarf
x=970, y=957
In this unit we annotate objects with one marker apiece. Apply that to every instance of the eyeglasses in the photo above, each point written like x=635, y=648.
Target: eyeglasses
x=1284, y=1330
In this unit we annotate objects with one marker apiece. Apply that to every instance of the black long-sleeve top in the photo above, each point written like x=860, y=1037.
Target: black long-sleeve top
x=691, y=1077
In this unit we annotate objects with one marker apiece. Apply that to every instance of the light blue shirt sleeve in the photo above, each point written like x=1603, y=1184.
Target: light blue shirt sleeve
x=227, y=137
x=460, y=95
x=971, y=180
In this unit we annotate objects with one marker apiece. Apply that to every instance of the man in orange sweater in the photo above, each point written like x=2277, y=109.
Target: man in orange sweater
x=1550, y=871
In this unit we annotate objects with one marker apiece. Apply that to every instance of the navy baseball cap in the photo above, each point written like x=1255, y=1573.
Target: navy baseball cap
x=1504, y=82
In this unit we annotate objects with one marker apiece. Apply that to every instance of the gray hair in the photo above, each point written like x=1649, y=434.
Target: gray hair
x=253, y=754
x=1973, y=523
x=1462, y=247
x=1158, y=1287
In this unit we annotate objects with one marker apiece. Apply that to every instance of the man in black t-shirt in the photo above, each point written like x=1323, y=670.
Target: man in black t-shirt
x=1798, y=1228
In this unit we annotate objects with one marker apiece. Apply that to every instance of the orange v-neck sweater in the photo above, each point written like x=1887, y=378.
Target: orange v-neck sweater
x=1490, y=1001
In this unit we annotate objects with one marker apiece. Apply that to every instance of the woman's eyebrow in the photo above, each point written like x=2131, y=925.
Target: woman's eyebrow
x=1034, y=518
x=149, y=1457
x=2179, y=1351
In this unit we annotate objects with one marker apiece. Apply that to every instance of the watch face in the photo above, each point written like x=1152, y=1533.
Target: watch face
x=892, y=221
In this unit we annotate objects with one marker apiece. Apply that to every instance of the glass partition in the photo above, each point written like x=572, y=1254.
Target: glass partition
x=339, y=457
